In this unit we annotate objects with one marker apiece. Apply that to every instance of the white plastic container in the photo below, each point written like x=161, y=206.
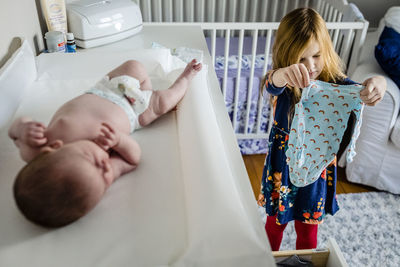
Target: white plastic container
x=55, y=41
x=98, y=22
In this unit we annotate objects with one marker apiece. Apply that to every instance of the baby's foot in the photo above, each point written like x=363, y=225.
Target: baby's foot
x=163, y=101
x=183, y=81
x=192, y=68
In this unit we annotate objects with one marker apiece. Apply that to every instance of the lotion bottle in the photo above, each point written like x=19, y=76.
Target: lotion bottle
x=54, y=12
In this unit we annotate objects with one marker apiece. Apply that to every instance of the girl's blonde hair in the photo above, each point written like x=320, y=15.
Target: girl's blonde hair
x=296, y=31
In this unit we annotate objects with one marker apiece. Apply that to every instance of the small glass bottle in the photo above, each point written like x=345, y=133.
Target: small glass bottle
x=71, y=46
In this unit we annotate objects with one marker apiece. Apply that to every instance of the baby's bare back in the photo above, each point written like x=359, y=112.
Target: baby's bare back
x=81, y=118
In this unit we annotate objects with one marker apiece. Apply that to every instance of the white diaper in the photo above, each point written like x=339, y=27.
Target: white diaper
x=118, y=89
x=130, y=87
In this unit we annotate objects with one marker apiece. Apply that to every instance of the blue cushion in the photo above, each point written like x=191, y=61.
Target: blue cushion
x=387, y=53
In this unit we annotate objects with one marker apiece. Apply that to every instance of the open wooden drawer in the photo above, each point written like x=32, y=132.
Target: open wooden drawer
x=327, y=257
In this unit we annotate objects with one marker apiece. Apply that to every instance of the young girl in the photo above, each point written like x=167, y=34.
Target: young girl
x=302, y=51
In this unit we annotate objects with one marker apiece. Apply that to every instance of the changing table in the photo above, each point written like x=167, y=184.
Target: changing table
x=169, y=216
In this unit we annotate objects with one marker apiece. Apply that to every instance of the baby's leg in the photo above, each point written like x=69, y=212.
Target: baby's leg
x=164, y=100
x=135, y=69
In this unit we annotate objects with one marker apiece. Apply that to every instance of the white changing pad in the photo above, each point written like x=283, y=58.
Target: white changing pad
x=181, y=206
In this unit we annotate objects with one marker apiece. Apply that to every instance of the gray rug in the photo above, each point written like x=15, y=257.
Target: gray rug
x=366, y=228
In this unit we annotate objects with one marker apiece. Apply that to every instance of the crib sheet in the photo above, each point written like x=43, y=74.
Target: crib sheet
x=180, y=207
x=247, y=146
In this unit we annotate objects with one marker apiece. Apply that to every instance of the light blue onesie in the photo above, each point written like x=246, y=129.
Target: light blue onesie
x=318, y=126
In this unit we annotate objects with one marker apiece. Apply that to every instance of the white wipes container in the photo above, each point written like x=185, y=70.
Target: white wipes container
x=99, y=22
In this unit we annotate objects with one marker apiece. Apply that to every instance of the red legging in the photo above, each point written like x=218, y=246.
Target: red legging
x=306, y=234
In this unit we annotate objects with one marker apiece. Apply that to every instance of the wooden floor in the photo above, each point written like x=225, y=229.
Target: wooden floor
x=255, y=163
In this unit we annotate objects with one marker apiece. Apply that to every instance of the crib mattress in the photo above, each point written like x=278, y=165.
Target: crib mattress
x=247, y=145
x=180, y=207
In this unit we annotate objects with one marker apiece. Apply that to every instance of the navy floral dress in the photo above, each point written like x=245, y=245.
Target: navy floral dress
x=308, y=204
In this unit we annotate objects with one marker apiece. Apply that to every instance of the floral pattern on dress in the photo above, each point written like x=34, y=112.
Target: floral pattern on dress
x=279, y=196
x=308, y=204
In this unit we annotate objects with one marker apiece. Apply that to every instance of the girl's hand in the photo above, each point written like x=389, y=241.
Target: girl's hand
x=295, y=75
x=375, y=88
x=107, y=138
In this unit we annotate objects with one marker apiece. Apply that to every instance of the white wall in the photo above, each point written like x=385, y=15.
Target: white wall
x=374, y=10
x=18, y=18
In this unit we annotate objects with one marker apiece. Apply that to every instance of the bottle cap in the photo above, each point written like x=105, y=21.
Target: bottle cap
x=54, y=35
x=70, y=36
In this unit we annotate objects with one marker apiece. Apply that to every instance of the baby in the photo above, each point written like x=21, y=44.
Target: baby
x=87, y=144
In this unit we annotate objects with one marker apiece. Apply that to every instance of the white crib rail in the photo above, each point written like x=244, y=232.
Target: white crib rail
x=347, y=42
x=230, y=10
x=255, y=29
x=225, y=19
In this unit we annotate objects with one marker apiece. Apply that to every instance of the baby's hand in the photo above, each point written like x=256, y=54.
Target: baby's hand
x=107, y=138
x=375, y=88
x=32, y=133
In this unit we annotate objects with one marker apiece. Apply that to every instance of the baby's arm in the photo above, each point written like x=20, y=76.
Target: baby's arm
x=28, y=136
x=119, y=165
x=123, y=144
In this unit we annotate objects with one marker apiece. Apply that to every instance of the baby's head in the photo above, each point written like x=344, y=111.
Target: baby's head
x=63, y=183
